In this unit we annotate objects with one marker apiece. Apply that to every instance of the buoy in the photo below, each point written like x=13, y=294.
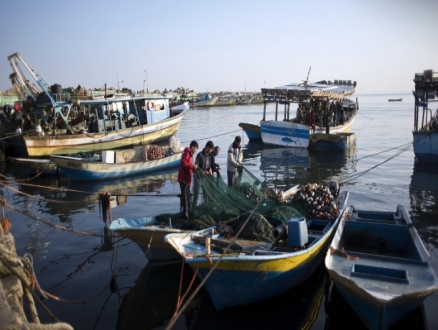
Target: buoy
x=150, y=105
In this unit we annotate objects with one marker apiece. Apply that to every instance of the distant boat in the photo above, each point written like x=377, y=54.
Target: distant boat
x=251, y=130
x=115, y=164
x=204, y=101
x=332, y=142
x=225, y=102
x=380, y=266
x=395, y=100
x=425, y=132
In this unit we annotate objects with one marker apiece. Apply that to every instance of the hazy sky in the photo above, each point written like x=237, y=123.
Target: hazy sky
x=221, y=45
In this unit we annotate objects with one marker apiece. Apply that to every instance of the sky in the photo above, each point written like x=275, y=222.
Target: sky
x=212, y=46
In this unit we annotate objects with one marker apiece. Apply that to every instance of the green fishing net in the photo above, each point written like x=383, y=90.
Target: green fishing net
x=214, y=202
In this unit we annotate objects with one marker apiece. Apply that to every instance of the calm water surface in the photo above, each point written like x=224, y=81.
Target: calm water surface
x=108, y=284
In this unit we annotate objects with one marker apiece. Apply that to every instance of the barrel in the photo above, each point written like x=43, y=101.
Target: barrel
x=56, y=89
x=297, y=232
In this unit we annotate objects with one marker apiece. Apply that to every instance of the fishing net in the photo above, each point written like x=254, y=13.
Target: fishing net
x=214, y=202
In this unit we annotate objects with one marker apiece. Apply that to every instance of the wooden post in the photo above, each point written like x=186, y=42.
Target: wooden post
x=264, y=111
x=276, y=110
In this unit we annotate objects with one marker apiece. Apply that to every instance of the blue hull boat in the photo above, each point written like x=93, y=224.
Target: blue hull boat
x=380, y=266
x=259, y=273
x=425, y=133
x=252, y=131
x=332, y=142
x=84, y=169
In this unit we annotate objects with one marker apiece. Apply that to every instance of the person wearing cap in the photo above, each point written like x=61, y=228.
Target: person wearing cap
x=234, y=159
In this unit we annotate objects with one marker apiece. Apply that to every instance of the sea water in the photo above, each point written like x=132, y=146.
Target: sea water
x=108, y=283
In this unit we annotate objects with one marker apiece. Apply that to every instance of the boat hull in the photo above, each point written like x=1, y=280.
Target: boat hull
x=426, y=146
x=291, y=134
x=35, y=166
x=83, y=170
x=332, y=142
x=252, y=131
x=149, y=237
x=258, y=280
x=246, y=279
x=40, y=146
x=388, y=274
x=284, y=134
x=207, y=103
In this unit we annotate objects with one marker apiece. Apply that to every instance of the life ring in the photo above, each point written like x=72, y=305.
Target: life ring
x=150, y=105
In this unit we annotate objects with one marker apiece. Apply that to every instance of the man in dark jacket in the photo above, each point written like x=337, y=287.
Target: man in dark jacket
x=185, y=172
x=203, y=160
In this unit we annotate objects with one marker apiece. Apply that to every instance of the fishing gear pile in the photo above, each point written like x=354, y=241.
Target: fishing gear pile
x=215, y=203
x=320, y=201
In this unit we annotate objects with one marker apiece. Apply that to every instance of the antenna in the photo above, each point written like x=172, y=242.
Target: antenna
x=307, y=80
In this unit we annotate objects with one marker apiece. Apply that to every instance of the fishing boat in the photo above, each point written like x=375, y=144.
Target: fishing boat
x=177, y=109
x=34, y=166
x=112, y=164
x=425, y=132
x=332, y=142
x=251, y=130
x=204, y=101
x=70, y=125
x=242, y=271
x=380, y=265
x=395, y=100
x=149, y=232
x=225, y=102
x=315, y=97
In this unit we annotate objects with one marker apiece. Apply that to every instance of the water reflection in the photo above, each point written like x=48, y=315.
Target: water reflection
x=341, y=316
x=423, y=193
x=284, y=167
x=85, y=196
x=152, y=301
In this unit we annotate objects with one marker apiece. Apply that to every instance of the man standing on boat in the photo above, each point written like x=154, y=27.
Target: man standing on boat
x=234, y=159
x=203, y=160
x=215, y=166
x=185, y=173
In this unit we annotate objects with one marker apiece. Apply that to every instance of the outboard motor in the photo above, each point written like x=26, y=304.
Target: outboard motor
x=295, y=234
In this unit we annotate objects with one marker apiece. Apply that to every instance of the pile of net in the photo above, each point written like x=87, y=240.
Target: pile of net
x=215, y=203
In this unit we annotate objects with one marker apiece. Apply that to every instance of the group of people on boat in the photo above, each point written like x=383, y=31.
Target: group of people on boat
x=322, y=112
x=206, y=162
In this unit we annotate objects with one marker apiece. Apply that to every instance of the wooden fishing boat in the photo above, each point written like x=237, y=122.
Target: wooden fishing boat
x=425, y=132
x=395, y=100
x=204, y=101
x=75, y=124
x=34, y=166
x=380, y=265
x=332, y=142
x=149, y=234
x=294, y=132
x=251, y=271
x=115, y=164
x=225, y=102
x=251, y=130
